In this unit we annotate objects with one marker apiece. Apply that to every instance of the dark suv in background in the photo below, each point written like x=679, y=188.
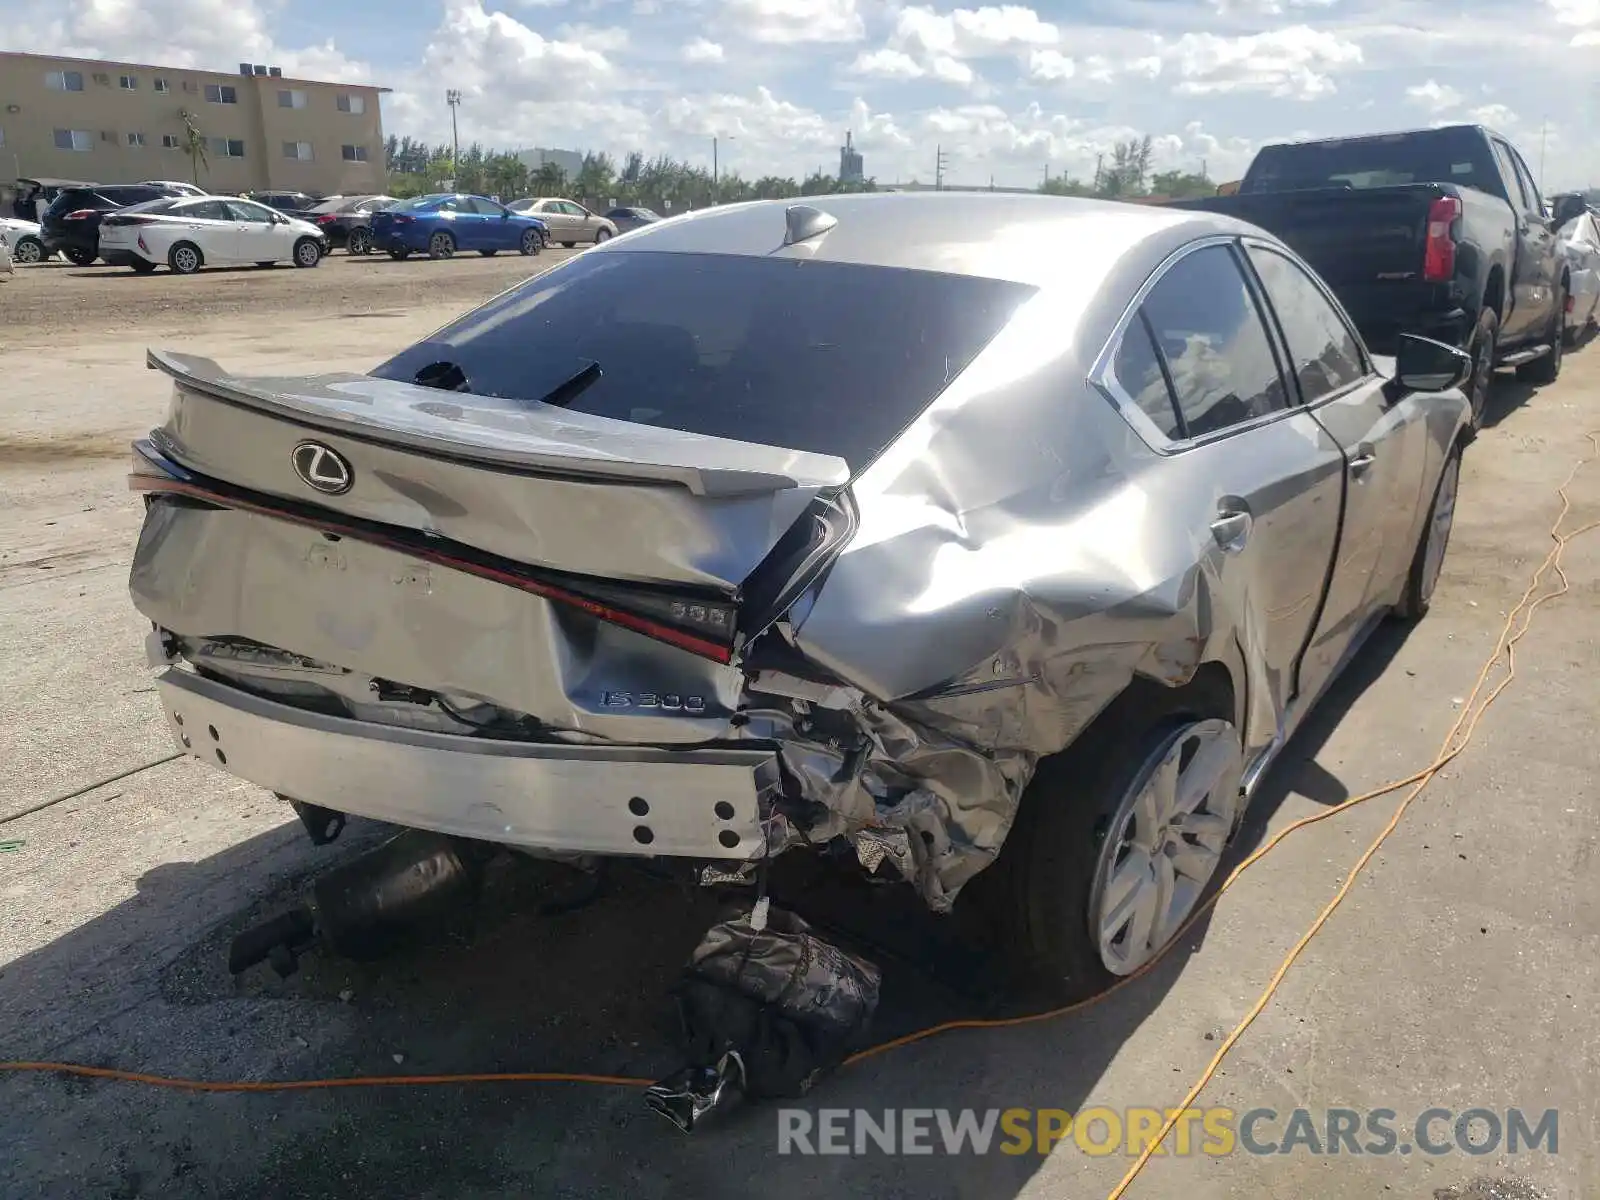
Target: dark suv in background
x=284, y=201
x=71, y=225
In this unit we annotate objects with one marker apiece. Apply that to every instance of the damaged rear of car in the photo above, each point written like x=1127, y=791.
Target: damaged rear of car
x=768, y=529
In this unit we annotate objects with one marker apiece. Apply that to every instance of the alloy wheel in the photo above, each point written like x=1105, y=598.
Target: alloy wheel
x=27, y=252
x=1165, y=841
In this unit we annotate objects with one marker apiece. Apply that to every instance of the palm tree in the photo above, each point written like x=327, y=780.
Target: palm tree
x=550, y=179
x=194, y=145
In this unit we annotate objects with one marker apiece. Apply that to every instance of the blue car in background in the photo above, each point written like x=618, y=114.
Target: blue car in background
x=440, y=225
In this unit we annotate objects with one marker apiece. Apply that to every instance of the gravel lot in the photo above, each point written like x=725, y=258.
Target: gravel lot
x=1460, y=972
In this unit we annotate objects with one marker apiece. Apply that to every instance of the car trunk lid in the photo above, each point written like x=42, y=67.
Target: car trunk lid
x=621, y=518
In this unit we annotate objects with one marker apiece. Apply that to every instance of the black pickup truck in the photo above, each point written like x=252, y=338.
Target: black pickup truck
x=1440, y=232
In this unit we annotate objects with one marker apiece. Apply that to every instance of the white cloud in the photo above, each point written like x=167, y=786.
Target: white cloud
x=1295, y=62
x=1265, y=8
x=1576, y=12
x=795, y=21
x=1437, y=97
x=887, y=64
x=1496, y=116
x=1051, y=65
x=608, y=40
x=972, y=32
x=541, y=3
x=702, y=50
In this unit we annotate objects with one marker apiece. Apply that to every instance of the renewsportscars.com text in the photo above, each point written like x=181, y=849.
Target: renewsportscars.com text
x=1210, y=1132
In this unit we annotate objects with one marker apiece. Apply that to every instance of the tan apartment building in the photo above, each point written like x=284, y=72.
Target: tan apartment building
x=114, y=122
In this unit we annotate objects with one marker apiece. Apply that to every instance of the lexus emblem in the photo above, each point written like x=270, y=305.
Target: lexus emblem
x=322, y=467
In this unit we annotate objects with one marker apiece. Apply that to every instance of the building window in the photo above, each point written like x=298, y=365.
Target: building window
x=354, y=153
x=352, y=104
x=128, y=83
x=291, y=98
x=136, y=140
x=170, y=141
x=74, y=139
x=301, y=151
x=226, y=147
x=64, y=81
x=160, y=86
x=221, y=93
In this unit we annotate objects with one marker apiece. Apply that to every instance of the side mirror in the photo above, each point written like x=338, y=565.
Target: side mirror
x=1424, y=365
x=1568, y=208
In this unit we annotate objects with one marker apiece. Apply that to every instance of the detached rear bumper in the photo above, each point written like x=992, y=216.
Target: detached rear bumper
x=629, y=800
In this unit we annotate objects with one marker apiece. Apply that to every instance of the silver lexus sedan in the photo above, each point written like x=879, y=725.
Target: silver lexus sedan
x=973, y=538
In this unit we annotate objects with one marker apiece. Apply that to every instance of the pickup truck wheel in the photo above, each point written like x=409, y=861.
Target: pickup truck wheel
x=1431, y=545
x=1547, y=367
x=1117, y=841
x=1482, y=348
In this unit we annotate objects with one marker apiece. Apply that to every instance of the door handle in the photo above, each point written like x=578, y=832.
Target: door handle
x=1232, y=529
x=1362, y=462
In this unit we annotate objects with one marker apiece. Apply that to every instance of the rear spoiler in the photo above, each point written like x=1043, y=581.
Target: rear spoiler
x=504, y=434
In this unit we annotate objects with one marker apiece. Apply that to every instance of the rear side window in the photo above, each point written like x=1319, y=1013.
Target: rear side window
x=834, y=358
x=1139, y=371
x=207, y=210
x=1324, y=352
x=120, y=196
x=1210, y=334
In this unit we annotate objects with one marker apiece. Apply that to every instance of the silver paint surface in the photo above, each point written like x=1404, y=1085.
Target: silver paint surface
x=1026, y=549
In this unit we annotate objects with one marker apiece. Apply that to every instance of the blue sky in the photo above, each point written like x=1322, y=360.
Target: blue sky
x=1006, y=90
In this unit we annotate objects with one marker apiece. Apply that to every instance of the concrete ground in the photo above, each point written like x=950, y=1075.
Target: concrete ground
x=1460, y=973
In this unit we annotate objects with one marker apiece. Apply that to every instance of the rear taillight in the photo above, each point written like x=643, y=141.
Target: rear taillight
x=400, y=220
x=127, y=219
x=1439, y=248
x=81, y=214
x=326, y=219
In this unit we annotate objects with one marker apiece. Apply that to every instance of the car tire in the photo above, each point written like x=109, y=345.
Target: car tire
x=27, y=251
x=185, y=258
x=80, y=258
x=441, y=245
x=307, y=253
x=1481, y=348
x=142, y=266
x=359, y=242
x=531, y=243
x=1428, y=559
x=399, y=255
x=568, y=245
x=1043, y=898
x=601, y=235
x=1546, y=369
x=268, y=263
x=488, y=253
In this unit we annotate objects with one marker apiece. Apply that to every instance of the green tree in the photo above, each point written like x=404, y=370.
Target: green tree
x=1130, y=168
x=194, y=146
x=1181, y=185
x=596, y=183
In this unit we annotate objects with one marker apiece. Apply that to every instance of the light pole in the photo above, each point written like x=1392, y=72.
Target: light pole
x=453, y=98
x=715, y=190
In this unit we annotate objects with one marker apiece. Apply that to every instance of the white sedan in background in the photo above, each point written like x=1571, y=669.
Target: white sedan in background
x=190, y=232
x=1579, y=240
x=27, y=244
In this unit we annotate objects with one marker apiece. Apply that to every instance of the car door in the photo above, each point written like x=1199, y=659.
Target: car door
x=554, y=214
x=1534, y=272
x=492, y=225
x=211, y=226
x=260, y=237
x=584, y=223
x=1384, y=441
x=1259, y=476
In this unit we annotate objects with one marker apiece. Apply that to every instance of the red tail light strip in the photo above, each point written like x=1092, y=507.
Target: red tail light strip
x=331, y=524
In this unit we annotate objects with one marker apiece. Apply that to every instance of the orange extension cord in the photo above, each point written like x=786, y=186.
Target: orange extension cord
x=1457, y=740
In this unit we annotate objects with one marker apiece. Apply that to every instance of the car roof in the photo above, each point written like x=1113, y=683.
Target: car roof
x=1025, y=238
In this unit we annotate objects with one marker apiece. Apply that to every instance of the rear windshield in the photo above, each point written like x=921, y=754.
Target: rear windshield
x=1458, y=156
x=156, y=206
x=833, y=358
x=421, y=203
